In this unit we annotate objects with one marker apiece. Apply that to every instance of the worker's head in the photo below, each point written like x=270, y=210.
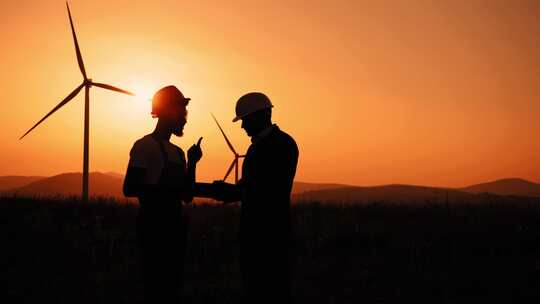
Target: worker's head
x=169, y=106
x=255, y=111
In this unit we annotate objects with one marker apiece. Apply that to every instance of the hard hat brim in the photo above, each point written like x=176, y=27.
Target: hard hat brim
x=237, y=118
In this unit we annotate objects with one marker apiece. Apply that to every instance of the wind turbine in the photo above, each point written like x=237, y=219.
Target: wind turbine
x=87, y=84
x=236, y=155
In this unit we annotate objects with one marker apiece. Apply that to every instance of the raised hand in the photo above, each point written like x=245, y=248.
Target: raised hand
x=195, y=152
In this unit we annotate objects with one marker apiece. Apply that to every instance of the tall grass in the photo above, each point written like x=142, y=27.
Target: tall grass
x=61, y=250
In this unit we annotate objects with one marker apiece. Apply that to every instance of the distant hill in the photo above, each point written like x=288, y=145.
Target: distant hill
x=299, y=187
x=110, y=184
x=106, y=184
x=115, y=174
x=70, y=184
x=11, y=182
x=387, y=193
x=509, y=186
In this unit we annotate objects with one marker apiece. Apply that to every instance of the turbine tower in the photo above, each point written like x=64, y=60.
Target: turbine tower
x=86, y=84
x=236, y=155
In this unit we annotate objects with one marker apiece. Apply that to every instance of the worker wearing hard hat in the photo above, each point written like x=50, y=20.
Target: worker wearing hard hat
x=265, y=194
x=161, y=178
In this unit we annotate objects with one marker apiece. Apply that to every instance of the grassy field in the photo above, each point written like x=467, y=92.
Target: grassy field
x=61, y=251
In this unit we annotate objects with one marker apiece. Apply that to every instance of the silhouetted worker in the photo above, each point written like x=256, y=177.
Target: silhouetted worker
x=159, y=176
x=265, y=193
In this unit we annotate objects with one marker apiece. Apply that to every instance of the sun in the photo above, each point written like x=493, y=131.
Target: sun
x=144, y=92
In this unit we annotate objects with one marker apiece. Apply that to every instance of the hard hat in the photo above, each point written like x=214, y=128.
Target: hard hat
x=250, y=103
x=166, y=99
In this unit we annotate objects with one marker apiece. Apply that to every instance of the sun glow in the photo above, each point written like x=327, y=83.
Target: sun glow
x=144, y=92
x=390, y=119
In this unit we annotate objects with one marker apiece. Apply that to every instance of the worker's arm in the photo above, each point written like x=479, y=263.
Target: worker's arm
x=135, y=187
x=274, y=177
x=194, y=156
x=225, y=192
x=134, y=180
x=133, y=183
x=187, y=196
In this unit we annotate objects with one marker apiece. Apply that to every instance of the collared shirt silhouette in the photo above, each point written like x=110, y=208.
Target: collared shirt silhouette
x=265, y=192
x=161, y=178
x=267, y=175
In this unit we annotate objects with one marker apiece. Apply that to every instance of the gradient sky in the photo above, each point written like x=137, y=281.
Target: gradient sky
x=442, y=93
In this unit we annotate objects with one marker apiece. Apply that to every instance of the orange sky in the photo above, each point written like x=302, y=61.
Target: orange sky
x=442, y=93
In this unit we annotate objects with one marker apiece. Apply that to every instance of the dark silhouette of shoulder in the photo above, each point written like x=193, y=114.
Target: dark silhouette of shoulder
x=270, y=166
x=277, y=138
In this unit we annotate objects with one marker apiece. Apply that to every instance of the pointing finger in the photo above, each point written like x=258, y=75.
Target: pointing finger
x=199, y=142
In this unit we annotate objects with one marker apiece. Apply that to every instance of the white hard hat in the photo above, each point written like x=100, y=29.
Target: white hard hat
x=250, y=103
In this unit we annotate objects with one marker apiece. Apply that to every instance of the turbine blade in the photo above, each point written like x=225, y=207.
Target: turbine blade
x=226, y=139
x=77, y=50
x=61, y=104
x=229, y=170
x=110, y=87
